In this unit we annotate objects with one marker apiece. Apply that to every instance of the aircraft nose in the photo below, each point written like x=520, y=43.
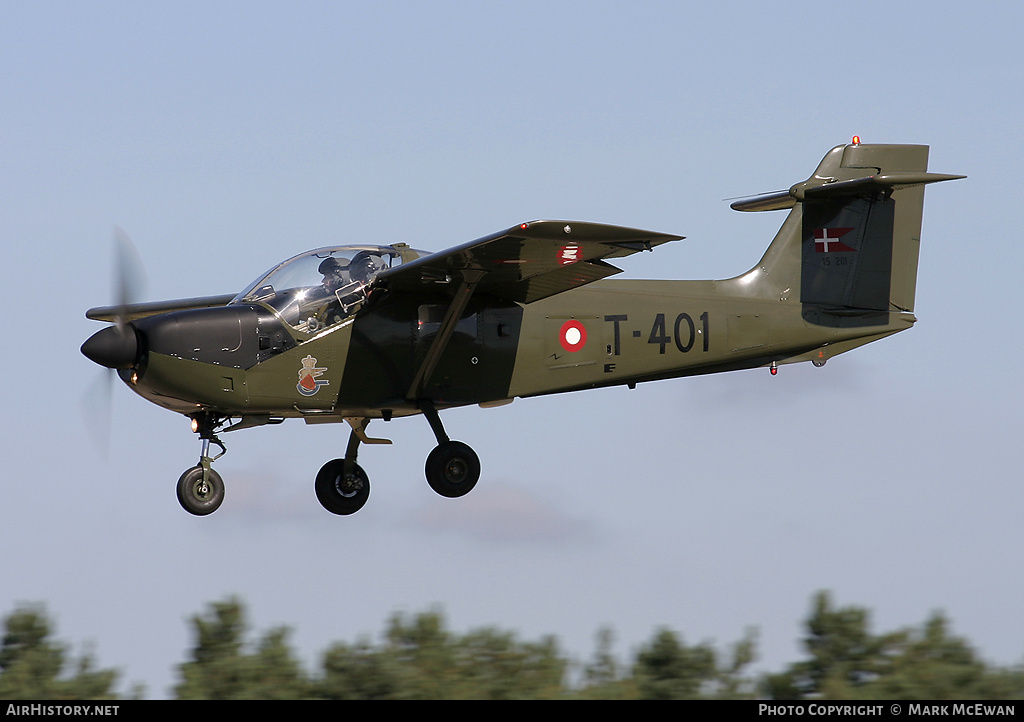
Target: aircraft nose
x=116, y=347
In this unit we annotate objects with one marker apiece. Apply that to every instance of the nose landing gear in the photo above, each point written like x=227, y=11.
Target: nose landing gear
x=201, y=489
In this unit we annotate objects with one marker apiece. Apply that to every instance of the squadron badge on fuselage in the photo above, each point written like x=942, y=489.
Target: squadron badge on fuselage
x=309, y=384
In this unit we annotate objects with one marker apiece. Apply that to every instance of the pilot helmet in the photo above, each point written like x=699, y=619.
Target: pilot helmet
x=363, y=265
x=330, y=265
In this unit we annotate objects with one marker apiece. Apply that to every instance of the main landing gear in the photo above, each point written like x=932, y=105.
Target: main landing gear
x=452, y=468
x=341, y=484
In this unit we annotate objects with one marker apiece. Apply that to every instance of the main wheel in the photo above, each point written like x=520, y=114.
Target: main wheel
x=341, y=493
x=199, y=497
x=452, y=469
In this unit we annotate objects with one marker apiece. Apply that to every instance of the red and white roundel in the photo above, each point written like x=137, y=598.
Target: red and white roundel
x=573, y=335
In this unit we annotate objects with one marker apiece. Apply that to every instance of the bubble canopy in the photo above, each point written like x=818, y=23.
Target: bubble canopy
x=318, y=288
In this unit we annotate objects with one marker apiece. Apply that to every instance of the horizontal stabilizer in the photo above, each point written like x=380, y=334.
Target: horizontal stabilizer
x=815, y=190
x=857, y=186
x=777, y=201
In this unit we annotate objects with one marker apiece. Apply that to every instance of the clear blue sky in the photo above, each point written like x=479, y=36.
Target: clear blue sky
x=226, y=136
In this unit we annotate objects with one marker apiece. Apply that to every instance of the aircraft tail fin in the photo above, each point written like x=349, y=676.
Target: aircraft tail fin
x=851, y=241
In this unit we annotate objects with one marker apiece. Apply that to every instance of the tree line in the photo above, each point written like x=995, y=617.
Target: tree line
x=418, y=657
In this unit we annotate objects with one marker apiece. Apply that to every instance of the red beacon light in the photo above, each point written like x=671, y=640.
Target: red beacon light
x=856, y=140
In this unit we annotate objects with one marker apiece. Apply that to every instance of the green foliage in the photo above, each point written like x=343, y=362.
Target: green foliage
x=668, y=669
x=849, y=662
x=31, y=664
x=357, y=672
x=844, y=655
x=222, y=669
x=602, y=678
x=419, y=658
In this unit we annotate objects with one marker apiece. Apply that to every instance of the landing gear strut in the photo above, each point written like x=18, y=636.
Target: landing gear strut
x=200, y=489
x=452, y=468
x=341, y=484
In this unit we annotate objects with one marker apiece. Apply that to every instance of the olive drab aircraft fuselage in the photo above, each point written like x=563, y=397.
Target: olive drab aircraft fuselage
x=355, y=333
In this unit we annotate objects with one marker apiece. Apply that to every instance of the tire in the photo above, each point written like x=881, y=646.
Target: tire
x=339, y=494
x=452, y=469
x=197, y=498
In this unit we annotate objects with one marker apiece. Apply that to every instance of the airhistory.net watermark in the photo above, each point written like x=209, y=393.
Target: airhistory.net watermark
x=62, y=710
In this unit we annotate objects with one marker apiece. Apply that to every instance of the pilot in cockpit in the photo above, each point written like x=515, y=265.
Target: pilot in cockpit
x=350, y=279
x=362, y=267
x=328, y=310
x=333, y=273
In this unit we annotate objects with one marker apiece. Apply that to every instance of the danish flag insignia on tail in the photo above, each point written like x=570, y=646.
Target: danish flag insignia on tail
x=826, y=240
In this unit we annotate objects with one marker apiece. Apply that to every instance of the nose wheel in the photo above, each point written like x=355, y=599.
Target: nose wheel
x=200, y=493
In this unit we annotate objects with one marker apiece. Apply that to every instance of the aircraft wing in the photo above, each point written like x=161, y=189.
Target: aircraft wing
x=134, y=311
x=526, y=263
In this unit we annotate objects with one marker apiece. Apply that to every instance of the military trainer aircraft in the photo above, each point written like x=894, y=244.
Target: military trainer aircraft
x=355, y=333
